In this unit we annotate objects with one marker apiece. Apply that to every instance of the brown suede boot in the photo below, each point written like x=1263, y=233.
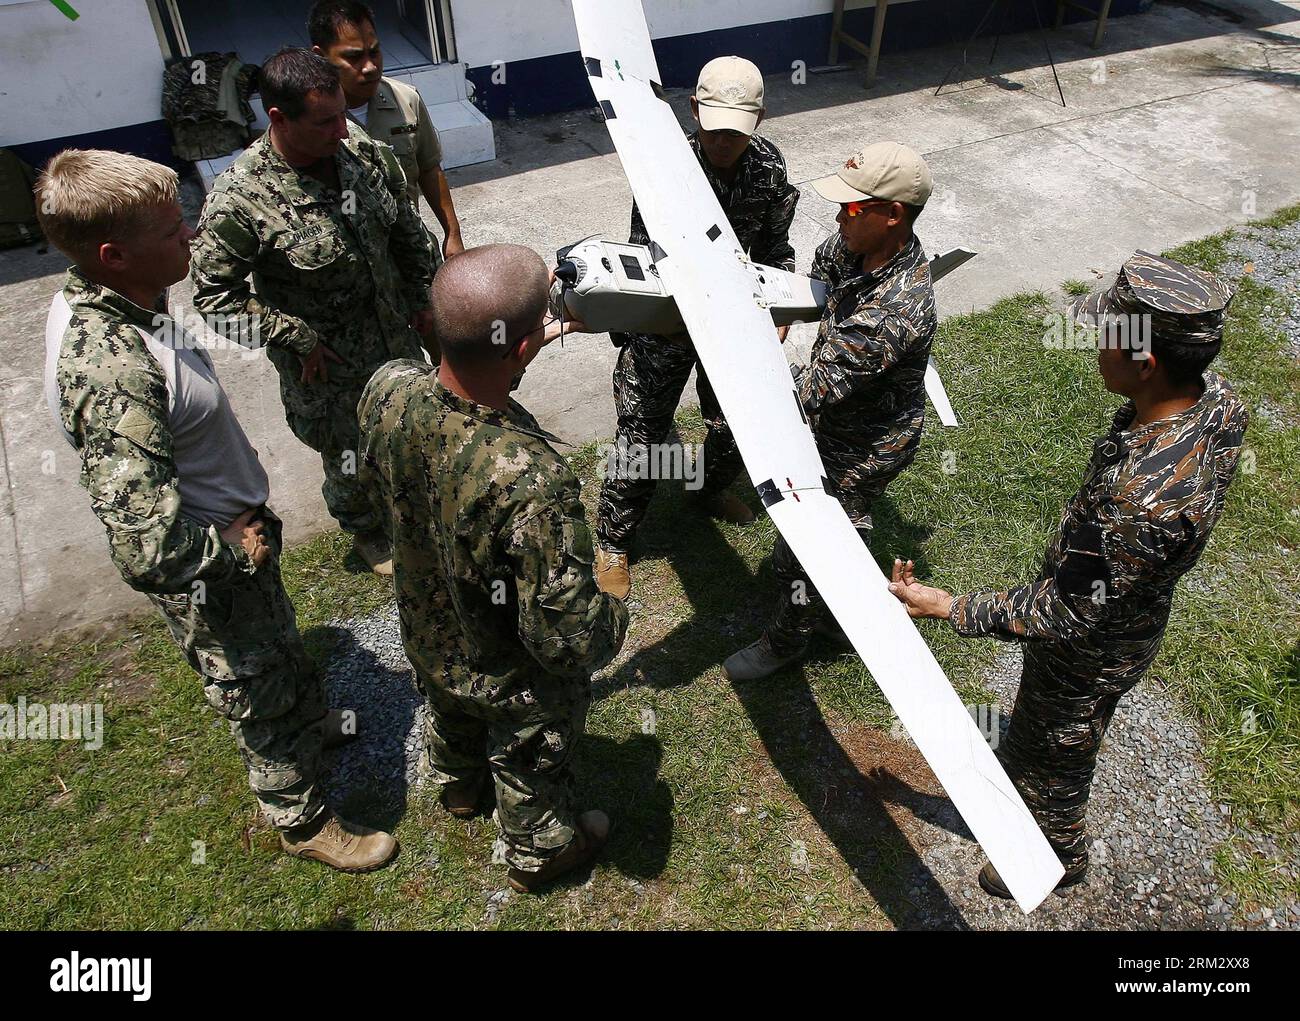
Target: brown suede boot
x=340, y=727
x=375, y=549
x=613, y=576
x=588, y=841
x=463, y=799
x=726, y=506
x=342, y=845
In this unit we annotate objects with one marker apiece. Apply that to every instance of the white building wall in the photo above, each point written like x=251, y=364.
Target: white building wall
x=491, y=30
x=60, y=77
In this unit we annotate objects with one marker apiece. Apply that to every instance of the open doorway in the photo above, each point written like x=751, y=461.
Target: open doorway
x=414, y=33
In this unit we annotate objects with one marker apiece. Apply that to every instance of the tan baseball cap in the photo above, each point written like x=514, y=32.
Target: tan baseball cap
x=730, y=94
x=881, y=170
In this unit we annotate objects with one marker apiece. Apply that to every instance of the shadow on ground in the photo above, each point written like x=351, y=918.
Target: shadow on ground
x=849, y=800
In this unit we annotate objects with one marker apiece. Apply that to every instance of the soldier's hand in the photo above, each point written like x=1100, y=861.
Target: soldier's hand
x=241, y=533
x=569, y=326
x=315, y=367
x=920, y=600
x=422, y=322
x=452, y=245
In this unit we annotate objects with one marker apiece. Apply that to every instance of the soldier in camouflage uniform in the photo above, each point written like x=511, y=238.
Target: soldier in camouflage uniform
x=180, y=490
x=1093, y=620
x=500, y=613
x=863, y=391
x=747, y=172
x=317, y=212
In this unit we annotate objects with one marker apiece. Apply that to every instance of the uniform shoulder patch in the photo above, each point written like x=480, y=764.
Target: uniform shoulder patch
x=141, y=430
x=225, y=226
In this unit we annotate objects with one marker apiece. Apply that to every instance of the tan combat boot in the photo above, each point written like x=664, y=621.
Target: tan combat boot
x=726, y=506
x=754, y=662
x=588, y=841
x=613, y=576
x=342, y=845
x=375, y=549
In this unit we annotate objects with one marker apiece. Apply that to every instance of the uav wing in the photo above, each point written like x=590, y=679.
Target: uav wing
x=941, y=266
x=704, y=267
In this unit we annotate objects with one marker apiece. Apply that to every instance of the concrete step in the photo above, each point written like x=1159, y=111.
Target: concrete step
x=437, y=83
x=466, y=134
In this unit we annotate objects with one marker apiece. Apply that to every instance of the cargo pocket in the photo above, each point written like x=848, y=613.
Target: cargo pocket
x=317, y=253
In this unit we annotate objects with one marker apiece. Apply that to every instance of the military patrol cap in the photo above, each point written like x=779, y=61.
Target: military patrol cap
x=1185, y=305
x=881, y=170
x=730, y=94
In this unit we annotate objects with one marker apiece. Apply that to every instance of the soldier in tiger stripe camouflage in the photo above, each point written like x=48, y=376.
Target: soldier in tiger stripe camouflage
x=863, y=391
x=747, y=173
x=1093, y=620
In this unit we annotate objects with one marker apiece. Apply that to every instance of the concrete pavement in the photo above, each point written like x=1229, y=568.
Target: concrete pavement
x=1185, y=122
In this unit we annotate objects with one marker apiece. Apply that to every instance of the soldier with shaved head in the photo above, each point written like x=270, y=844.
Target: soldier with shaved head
x=492, y=560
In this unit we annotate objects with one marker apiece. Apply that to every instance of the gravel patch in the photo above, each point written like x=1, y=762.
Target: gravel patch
x=1153, y=828
x=1153, y=825
x=369, y=672
x=1271, y=256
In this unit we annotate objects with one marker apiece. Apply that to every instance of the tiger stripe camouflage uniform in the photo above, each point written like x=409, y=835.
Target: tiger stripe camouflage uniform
x=234, y=623
x=344, y=268
x=863, y=392
x=652, y=370
x=1093, y=620
x=500, y=614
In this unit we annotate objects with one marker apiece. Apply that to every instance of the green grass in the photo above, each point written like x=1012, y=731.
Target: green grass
x=742, y=807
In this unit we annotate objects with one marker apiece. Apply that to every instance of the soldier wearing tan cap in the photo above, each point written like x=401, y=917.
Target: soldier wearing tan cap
x=748, y=175
x=863, y=390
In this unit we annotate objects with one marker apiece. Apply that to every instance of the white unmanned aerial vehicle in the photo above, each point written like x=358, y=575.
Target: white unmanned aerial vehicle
x=699, y=262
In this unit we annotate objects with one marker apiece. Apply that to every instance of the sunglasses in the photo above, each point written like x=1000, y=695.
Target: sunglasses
x=852, y=209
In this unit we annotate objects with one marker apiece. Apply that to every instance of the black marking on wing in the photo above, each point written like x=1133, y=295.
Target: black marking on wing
x=769, y=494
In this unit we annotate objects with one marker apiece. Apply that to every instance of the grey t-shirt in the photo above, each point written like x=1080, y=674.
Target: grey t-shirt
x=219, y=475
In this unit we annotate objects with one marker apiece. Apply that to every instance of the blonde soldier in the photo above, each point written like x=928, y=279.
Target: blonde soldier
x=179, y=489
x=343, y=32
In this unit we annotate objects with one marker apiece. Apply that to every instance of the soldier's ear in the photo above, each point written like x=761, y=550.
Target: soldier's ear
x=111, y=256
x=1146, y=364
x=695, y=109
x=527, y=349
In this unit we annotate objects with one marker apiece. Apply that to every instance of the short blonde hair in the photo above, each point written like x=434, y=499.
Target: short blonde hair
x=87, y=197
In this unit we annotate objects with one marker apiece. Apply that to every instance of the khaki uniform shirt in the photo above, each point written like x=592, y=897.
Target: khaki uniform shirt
x=398, y=117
